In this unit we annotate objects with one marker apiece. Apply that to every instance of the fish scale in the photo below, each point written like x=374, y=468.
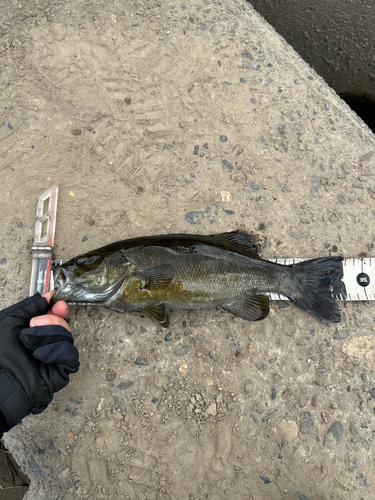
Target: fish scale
x=210, y=276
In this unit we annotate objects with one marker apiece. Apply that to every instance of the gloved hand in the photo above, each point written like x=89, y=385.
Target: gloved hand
x=37, y=356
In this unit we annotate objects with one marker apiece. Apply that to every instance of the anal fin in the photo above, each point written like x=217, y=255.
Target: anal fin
x=253, y=308
x=158, y=313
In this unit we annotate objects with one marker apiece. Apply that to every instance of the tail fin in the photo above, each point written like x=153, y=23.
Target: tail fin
x=315, y=280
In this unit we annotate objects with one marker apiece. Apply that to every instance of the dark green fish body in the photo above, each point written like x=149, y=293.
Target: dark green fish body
x=158, y=273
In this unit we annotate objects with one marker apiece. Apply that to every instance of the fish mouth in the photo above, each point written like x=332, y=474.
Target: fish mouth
x=75, y=293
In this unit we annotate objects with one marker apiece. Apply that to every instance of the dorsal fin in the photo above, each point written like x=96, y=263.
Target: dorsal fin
x=239, y=238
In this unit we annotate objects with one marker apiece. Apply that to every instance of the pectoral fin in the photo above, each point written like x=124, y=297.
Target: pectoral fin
x=252, y=308
x=158, y=313
x=158, y=277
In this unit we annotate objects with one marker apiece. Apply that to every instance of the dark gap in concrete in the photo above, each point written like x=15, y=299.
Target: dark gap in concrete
x=13, y=482
x=364, y=106
x=309, y=40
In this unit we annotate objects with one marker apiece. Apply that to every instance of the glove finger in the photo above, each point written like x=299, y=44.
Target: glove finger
x=27, y=308
x=39, y=336
x=62, y=353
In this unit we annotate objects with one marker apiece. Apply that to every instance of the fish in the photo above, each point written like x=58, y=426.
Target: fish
x=156, y=274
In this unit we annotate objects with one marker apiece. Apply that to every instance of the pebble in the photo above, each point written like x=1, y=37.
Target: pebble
x=182, y=369
x=342, y=199
x=353, y=464
x=273, y=393
x=141, y=361
x=300, y=496
x=213, y=355
x=84, y=239
x=111, y=375
x=223, y=138
x=362, y=405
x=157, y=355
x=228, y=165
x=337, y=430
x=282, y=304
x=259, y=408
x=255, y=186
x=373, y=393
x=76, y=131
x=341, y=334
x=126, y=384
x=168, y=337
x=364, y=378
x=211, y=410
x=288, y=430
x=306, y=423
x=265, y=479
x=3, y=261
x=281, y=128
x=196, y=150
x=247, y=55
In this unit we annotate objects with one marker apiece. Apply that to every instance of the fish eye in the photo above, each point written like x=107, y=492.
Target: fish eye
x=87, y=260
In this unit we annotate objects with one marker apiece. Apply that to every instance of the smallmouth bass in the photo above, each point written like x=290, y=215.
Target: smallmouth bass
x=154, y=274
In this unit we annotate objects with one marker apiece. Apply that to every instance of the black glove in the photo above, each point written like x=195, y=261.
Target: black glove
x=34, y=362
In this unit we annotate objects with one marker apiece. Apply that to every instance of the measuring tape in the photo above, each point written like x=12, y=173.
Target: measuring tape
x=356, y=283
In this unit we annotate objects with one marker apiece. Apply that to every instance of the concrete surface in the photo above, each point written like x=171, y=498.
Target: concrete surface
x=196, y=117
x=336, y=38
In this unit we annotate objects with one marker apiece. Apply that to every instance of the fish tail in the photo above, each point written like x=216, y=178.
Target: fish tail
x=315, y=280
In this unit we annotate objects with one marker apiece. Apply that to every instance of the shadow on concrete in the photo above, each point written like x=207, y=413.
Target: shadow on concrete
x=13, y=482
